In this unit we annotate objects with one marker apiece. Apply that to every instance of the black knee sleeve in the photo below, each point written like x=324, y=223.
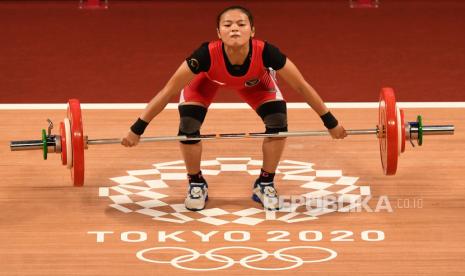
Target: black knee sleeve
x=274, y=115
x=191, y=119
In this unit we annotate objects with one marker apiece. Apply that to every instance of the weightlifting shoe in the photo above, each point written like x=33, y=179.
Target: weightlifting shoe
x=266, y=194
x=196, y=196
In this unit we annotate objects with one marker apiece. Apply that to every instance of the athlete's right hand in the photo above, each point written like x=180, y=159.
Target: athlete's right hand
x=338, y=132
x=130, y=140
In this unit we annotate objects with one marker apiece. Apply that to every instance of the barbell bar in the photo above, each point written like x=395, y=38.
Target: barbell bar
x=53, y=142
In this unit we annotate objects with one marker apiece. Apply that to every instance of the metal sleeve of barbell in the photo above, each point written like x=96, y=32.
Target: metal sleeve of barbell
x=438, y=130
x=26, y=145
x=29, y=145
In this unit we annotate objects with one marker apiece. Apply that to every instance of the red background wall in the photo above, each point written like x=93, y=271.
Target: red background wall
x=51, y=51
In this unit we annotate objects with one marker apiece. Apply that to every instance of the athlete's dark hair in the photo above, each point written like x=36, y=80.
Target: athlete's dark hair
x=242, y=9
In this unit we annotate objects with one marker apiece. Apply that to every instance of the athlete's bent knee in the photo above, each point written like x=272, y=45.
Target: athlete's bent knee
x=274, y=115
x=191, y=119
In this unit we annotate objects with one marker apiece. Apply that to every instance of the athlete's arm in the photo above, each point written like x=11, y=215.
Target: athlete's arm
x=180, y=78
x=291, y=74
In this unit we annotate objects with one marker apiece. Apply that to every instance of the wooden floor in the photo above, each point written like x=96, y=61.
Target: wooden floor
x=45, y=223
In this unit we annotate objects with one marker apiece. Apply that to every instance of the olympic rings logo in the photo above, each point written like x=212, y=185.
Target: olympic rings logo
x=226, y=262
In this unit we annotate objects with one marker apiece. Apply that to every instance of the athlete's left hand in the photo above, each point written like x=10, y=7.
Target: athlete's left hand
x=338, y=132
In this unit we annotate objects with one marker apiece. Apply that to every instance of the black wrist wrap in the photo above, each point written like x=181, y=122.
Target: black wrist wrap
x=139, y=126
x=329, y=120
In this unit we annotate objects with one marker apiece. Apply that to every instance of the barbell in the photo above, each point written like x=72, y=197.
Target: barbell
x=392, y=132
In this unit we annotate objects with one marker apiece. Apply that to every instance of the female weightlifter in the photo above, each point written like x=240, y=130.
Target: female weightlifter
x=239, y=61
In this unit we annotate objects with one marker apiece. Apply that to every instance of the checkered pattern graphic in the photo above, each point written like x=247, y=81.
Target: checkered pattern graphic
x=142, y=191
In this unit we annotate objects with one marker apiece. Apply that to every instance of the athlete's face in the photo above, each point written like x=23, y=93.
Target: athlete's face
x=235, y=29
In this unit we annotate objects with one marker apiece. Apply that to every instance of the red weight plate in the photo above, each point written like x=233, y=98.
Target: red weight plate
x=77, y=138
x=387, y=124
x=63, y=143
x=402, y=121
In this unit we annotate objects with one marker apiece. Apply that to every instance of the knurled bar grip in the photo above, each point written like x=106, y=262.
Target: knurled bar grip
x=231, y=136
x=427, y=130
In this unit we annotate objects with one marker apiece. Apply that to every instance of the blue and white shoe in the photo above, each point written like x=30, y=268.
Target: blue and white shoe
x=196, y=196
x=266, y=194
